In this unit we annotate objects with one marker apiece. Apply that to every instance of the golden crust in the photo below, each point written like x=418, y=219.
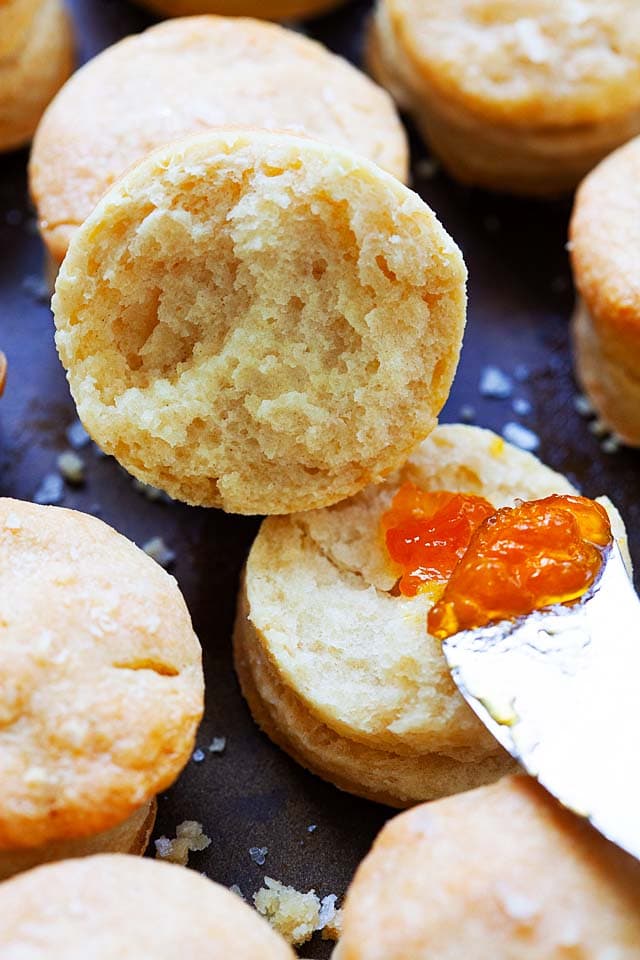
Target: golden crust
x=613, y=385
x=114, y=906
x=33, y=72
x=260, y=322
x=341, y=672
x=529, y=62
x=16, y=17
x=544, y=109
x=132, y=836
x=271, y=9
x=101, y=672
x=182, y=77
x=605, y=245
x=502, y=871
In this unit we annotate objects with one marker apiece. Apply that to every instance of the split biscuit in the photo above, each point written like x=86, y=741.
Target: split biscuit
x=112, y=907
x=38, y=60
x=605, y=254
x=102, y=687
x=337, y=668
x=500, y=873
x=522, y=96
x=259, y=322
x=185, y=76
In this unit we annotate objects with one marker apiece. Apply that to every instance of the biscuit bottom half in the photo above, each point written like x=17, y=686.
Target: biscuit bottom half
x=612, y=386
x=527, y=159
x=131, y=836
x=398, y=780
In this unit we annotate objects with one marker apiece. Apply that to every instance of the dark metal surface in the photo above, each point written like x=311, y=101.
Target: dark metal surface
x=520, y=302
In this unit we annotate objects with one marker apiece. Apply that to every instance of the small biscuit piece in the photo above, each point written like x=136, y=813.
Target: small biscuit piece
x=605, y=254
x=500, y=873
x=259, y=321
x=338, y=669
x=113, y=907
x=269, y=9
x=102, y=687
x=523, y=96
x=33, y=71
x=183, y=77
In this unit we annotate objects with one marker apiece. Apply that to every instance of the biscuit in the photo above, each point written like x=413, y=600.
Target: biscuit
x=271, y=10
x=500, y=872
x=522, y=96
x=259, y=322
x=182, y=77
x=32, y=72
x=102, y=686
x=16, y=16
x=112, y=907
x=605, y=251
x=337, y=669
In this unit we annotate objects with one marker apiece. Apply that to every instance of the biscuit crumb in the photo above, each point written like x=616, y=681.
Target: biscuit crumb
x=71, y=466
x=495, y=384
x=218, y=745
x=76, y=435
x=189, y=838
x=296, y=915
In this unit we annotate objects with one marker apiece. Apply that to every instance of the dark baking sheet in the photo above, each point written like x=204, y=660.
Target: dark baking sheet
x=520, y=300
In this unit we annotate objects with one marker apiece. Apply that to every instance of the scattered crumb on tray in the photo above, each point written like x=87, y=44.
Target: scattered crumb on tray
x=296, y=915
x=198, y=755
x=71, y=466
x=218, y=745
x=495, y=383
x=189, y=838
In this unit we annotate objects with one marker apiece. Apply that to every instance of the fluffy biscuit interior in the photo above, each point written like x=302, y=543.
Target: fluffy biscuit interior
x=260, y=321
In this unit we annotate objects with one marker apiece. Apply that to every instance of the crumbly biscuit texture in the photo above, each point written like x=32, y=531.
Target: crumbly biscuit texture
x=101, y=672
x=33, y=72
x=270, y=9
x=502, y=871
x=259, y=321
x=546, y=62
x=338, y=668
x=115, y=906
x=183, y=76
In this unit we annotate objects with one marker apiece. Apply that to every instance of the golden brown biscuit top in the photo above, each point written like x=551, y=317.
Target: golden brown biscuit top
x=605, y=248
x=499, y=872
x=185, y=76
x=101, y=681
x=116, y=907
x=551, y=62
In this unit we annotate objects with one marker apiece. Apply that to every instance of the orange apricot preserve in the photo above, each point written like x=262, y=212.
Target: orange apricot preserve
x=427, y=532
x=521, y=559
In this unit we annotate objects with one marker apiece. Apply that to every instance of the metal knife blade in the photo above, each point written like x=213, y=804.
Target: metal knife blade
x=560, y=690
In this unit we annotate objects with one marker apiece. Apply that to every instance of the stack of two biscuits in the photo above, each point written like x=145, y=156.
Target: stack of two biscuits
x=36, y=57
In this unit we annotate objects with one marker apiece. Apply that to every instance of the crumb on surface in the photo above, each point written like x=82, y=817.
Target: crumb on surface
x=76, y=435
x=495, y=383
x=189, y=838
x=218, y=745
x=71, y=467
x=198, y=755
x=296, y=915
